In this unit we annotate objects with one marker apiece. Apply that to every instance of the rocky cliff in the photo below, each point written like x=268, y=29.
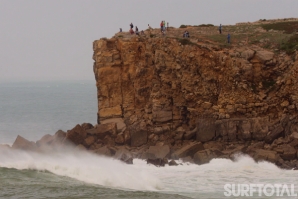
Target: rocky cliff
x=167, y=90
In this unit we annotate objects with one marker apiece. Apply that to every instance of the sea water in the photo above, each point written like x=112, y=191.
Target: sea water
x=33, y=109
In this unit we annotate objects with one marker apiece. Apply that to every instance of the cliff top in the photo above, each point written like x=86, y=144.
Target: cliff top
x=275, y=35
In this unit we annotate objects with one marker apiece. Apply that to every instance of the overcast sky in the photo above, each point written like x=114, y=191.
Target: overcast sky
x=52, y=39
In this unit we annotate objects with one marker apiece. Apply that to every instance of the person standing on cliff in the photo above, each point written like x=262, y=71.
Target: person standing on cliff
x=161, y=26
x=131, y=26
x=137, y=30
x=229, y=38
x=219, y=29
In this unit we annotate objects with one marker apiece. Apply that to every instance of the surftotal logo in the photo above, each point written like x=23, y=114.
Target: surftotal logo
x=259, y=190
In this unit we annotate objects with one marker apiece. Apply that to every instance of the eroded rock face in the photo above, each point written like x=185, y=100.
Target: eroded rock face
x=156, y=85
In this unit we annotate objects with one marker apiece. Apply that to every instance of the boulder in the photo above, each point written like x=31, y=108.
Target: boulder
x=76, y=135
x=87, y=126
x=102, y=130
x=203, y=157
x=124, y=155
x=276, y=133
x=23, y=144
x=289, y=152
x=46, y=140
x=157, y=162
x=89, y=141
x=188, y=150
x=173, y=163
x=155, y=152
x=106, y=151
x=264, y=55
x=205, y=129
x=119, y=139
x=213, y=145
x=138, y=134
x=247, y=54
x=262, y=154
x=119, y=123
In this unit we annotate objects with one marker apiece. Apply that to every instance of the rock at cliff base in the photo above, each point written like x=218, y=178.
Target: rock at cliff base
x=188, y=150
x=203, y=157
x=173, y=163
x=155, y=152
x=76, y=135
x=138, y=134
x=289, y=152
x=276, y=133
x=262, y=154
x=205, y=129
x=87, y=126
x=157, y=162
x=102, y=130
x=46, y=140
x=23, y=144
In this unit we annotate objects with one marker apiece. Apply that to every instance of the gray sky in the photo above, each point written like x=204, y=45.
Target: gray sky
x=52, y=39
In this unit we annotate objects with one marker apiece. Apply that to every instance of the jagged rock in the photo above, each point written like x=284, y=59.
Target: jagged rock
x=157, y=162
x=102, y=130
x=213, y=145
x=106, y=151
x=188, y=150
x=173, y=163
x=23, y=144
x=45, y=140
x=124, y=155
x=89, y=141
x=119, y=139
x=138, y=134
x=76, y=135
x=276, y=132
x=155, y=152
x=203, y=157
x=262, y=154
x=289, y=152
x=87, y=126
x=119, y=122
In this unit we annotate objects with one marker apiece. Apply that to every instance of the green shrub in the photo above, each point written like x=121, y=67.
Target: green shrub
x=206, y=25
x=287, y=27
x=290, y=45
x=183, y=26
x=152, y=35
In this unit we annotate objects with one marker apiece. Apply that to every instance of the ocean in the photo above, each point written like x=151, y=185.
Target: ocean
x=33, y=109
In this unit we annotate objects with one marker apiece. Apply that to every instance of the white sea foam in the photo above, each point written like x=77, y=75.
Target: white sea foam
x=83, y=166
x=186, y=179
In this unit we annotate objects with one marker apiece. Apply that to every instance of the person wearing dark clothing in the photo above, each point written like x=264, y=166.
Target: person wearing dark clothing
x=120, y=29
x=229, y=38
x=219, y=29
x=137, y=30
x=131, y=26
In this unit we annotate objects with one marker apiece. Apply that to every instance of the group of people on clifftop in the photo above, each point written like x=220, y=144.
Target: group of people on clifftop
x=165, y=26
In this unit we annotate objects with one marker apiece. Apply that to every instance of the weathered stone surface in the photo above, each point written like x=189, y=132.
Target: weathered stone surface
x=89, y=141
x=188, y=150
x=162, y=116
x=23, y=144
x=157, y=162
x=155, y=152
x=102, y=130
x=105, y=113
x=138, y=134
x=45, y=140
x=276, y=132
x=203, y=157
x=289, y=152
x=87, y=126
x=119, y=122
x=76, y=135
x=264, y=55
x=205, y=129
x=262, y=154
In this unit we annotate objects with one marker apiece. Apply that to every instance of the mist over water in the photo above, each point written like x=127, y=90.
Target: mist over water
x=190, y=180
